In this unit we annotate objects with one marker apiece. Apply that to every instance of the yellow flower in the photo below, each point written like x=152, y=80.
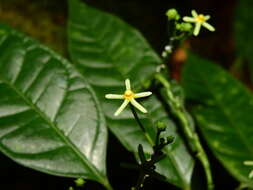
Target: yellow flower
x=129, y=97
x=199, y=20
x=249, y=163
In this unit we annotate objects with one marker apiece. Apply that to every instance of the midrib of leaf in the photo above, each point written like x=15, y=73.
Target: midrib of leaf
x=83, y=158
x=229, y=119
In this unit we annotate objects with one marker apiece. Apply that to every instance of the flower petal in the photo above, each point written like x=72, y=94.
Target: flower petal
x=194, y=13
x=251, y=174
x=208, y=26
x=142, y=94
x=196, y=29
x=207, y=17
x=189, y=19
x=128, y=86
x=121, y=108
x=114, y=96
x=248, y=163
x=138, y=106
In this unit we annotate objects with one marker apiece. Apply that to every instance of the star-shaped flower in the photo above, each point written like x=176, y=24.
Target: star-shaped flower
x=199, y=20
x=249, y=163
x=129, y=97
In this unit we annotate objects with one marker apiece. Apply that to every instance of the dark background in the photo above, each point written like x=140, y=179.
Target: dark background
x=46, y=20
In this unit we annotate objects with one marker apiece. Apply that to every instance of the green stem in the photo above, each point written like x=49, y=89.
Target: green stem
x=141, y=126
x=179, y=111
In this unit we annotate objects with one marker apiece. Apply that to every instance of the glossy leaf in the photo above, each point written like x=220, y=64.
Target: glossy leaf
x=50, y=119
x=224, y=114
x=108, y=51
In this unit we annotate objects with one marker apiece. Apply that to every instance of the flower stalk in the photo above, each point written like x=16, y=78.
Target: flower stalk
x=147, y=166
x=149, y=139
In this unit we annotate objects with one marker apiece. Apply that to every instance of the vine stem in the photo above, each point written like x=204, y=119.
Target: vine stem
x=179, y=111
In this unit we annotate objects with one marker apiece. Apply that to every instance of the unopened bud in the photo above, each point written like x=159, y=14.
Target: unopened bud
x=186, y=27
x=170, y=139
x=161, y=125
x=172, y=14
x=79, y=182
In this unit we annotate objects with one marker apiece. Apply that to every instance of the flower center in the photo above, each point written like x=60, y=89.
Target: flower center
x=128, y=94
x=200, y=18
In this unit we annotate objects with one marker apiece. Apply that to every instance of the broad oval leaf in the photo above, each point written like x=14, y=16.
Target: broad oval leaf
x=108, y=51
x=50, y=119
x=223, y=113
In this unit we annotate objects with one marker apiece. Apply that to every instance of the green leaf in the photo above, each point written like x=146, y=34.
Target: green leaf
x=243, y=31
x=50, y=119
x=224, y=114
x=107, y=51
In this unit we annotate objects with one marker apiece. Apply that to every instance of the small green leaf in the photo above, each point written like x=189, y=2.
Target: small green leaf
x=50, y=119
x=224, y=114
x=107, y=51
